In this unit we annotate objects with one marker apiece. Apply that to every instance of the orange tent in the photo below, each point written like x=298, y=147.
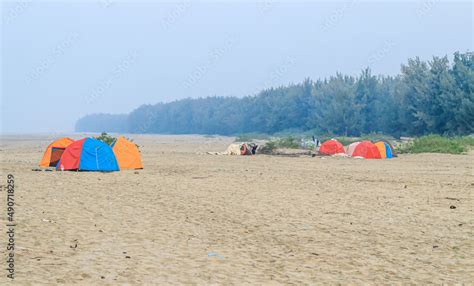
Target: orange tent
x=381, y=146
x=54, y=151
x=127, y=154
x=386, y=149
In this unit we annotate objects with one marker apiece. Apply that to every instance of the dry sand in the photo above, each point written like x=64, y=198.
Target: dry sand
x=204, y=219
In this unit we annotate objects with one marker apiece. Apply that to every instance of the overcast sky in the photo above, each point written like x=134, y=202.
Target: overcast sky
x=61, y=61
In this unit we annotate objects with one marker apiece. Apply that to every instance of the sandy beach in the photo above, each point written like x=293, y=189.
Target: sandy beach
x=193, y=218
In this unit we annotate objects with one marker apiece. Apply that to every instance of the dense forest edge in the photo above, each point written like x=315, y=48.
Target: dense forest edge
x=427, y=97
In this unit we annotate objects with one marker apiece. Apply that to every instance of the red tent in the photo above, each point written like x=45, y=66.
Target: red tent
x=367, y=150
x=331, y=147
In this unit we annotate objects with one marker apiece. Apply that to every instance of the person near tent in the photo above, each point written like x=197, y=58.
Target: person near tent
x=316, y=141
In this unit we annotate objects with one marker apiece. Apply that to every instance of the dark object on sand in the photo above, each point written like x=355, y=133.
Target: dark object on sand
x=452, y=207
x=254, y=149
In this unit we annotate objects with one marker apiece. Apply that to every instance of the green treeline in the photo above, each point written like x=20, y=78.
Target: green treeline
x=103, y=122
x=427, y=97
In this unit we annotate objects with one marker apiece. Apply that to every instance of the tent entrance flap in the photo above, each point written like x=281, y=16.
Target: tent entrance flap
x=55, y=156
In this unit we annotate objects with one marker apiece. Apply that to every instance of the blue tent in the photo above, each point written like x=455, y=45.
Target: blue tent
x=388, y=150
x=88, y=154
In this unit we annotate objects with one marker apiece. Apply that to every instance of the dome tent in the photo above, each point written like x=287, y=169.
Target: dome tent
x=54, y=151
x=384, y=149
x=388, y=146
x=351, y=148
x=88, y=154
x=367, y=150
x=331, y=147
x=127, y=154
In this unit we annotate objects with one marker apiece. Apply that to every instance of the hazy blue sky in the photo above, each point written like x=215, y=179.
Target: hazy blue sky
x=61, y=61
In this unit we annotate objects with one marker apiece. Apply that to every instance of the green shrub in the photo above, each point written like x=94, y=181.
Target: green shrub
x=288, y=142
x=436, y=144
x=268, y=147
x=285, y=142
x=106, y=138
x=465, y=140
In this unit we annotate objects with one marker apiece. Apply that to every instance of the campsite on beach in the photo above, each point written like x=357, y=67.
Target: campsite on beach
x=106, y=153
x=144, y=201
x=237, y=142
x=191, y=217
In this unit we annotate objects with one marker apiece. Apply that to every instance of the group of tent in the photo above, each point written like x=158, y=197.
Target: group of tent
x=89, y=154
x=380, y=149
